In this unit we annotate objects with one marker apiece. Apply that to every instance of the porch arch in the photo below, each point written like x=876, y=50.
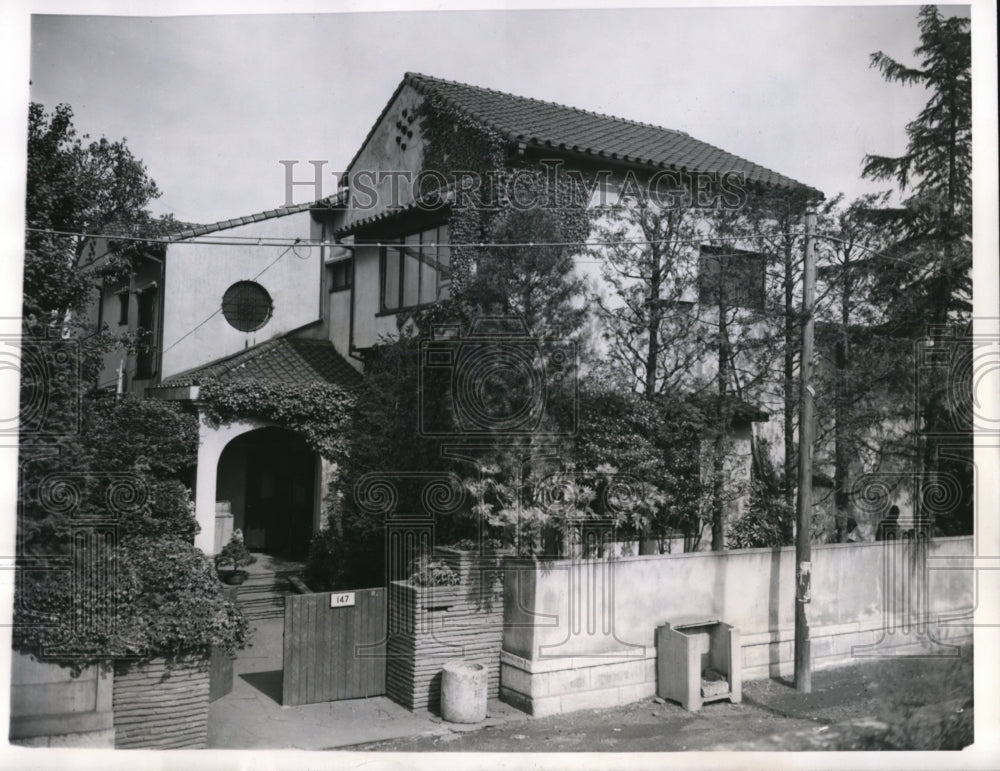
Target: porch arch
x=212, y=447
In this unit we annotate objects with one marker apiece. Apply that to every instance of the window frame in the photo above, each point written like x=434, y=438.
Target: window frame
x=267, y=317
x=397, y=249
x=348, y=282
x=124, y=301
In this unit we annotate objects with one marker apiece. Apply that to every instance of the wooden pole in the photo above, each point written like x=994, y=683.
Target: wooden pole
x=803, y=549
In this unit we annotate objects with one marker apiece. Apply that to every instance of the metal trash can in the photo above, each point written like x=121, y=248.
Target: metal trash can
x=697, y=661
x=463, y=692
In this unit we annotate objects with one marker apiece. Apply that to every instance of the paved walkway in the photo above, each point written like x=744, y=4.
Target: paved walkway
x=251, y=716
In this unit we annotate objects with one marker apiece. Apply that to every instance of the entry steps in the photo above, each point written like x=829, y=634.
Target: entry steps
x=263, y=594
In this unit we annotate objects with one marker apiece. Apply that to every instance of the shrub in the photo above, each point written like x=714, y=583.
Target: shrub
x=325, y=563
x=108, y=567
x=234, y=553
x=427, y=571
x=766, y=523
x=173, y=603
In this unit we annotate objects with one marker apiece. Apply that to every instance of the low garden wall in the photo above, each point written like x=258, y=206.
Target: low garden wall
x=432, y=625
x=51, y=708
x=580, y=634
x=161, y=707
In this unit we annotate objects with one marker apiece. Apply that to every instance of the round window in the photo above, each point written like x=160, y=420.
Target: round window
x=247, y=306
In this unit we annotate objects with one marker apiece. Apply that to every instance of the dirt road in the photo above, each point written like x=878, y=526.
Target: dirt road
x=864, y=704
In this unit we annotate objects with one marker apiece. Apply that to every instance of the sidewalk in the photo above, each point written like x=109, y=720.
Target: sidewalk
x=251, y=716
x=848, y=706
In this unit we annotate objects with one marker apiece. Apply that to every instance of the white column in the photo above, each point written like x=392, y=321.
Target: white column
x=211, y=442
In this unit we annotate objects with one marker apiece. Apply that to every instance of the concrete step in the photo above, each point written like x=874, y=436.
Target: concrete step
x=262, y=595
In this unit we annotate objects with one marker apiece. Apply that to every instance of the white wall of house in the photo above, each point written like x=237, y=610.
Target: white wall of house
x=369, y=326
x=197, y=276
x=369, y=195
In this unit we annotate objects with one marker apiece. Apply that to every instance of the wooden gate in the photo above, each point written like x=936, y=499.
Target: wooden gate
x=334, y=646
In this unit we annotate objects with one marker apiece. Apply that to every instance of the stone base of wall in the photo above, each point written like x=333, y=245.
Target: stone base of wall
x=772, y=654
x=49, y=707
x=557, y=685
x=104, y=739
x=157, y=707
x=553, y=686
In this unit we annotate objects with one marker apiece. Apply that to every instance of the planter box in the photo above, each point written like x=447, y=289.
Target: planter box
x=433, y=625
x=157, y=707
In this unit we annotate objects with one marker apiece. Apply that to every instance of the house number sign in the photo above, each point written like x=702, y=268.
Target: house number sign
x=342, y=600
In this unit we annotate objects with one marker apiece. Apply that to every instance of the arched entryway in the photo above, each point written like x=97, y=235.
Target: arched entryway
x=268, y=477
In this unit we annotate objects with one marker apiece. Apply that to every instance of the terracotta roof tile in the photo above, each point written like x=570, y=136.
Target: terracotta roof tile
x=547, y=124
x=329, y=202
x=279, y=360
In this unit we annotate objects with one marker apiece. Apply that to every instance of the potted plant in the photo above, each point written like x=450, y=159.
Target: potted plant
x=235, y=554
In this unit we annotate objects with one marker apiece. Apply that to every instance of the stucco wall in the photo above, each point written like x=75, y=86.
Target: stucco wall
x=197, y=276
x=368, y=326
x=575, y=629
x=339, y=313
x=371, y=196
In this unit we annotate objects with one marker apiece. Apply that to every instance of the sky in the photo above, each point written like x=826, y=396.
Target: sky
x=213, y=103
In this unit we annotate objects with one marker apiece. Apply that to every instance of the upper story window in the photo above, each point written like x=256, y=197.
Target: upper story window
x=123, y=307
x=416, y=270
x=341, y=275
x=247, y=306
x=734, y=275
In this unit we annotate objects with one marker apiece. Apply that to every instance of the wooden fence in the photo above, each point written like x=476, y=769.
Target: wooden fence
x=334, y=646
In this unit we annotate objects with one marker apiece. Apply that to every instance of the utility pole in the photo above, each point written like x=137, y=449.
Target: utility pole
x=803, y=548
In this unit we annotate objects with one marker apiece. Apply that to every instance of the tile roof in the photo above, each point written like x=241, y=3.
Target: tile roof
x=330, y=202
x=279, y=360
x=558, y=128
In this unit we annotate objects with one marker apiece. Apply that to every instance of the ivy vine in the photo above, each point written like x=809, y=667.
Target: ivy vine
x=319, y=412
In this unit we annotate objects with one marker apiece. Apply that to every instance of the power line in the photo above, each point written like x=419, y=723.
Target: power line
x=264, y=241
x=277, y=242
x=215, y=313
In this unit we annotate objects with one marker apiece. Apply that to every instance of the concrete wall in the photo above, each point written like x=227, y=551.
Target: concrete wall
x=197, y=276
x=581, y=634
x=50, y=708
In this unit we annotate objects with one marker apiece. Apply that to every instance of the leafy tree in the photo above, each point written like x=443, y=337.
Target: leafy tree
x=648, y=260
x=106, y=561
x=680, y=317
x=146, y=590
x=861, y=362
x=929, y=279
x=72, y=187
x=528, y=275
x=926, y=278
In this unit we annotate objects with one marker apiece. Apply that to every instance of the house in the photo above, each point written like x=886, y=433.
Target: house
x=303, y=292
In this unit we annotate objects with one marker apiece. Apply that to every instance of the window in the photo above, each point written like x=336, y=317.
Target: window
x=146, y=354
x=123, y=307
x=340, y=275
x=735, y=274
x=416, y=269
x=247, y=306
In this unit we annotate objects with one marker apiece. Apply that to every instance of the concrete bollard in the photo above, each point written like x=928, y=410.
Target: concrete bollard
x=463, y=692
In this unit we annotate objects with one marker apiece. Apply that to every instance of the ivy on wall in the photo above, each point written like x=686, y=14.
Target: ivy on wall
x=319, y=412
x=456, y=144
